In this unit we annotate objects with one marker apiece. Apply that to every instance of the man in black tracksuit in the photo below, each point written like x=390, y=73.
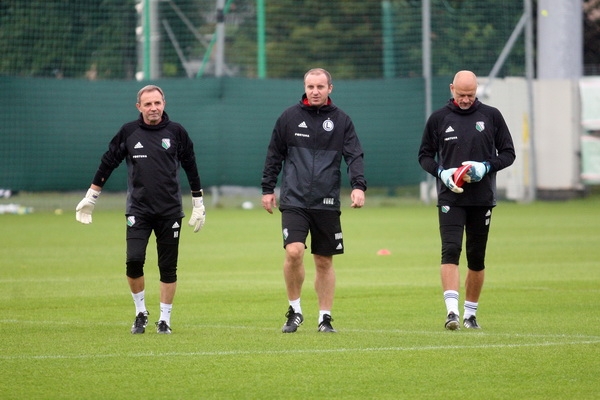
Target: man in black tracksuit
x=154, y=148
x=465, y=132
x=308, y=142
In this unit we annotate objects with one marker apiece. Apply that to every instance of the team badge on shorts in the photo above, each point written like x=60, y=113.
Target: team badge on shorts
x=285, y=233
x=130, y=220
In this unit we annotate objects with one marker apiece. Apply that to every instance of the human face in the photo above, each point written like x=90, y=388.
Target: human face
x=151, y=106
x=464, y=91
x=317, y=89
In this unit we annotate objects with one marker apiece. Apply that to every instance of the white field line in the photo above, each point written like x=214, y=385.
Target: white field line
x=541, y=341
x=288, y=352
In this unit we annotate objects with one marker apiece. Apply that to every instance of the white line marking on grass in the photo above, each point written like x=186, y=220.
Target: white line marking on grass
x=287, y=352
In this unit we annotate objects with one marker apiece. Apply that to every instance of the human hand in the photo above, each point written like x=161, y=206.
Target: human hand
x=269, y=202
x=358, y=198
x=83, y=211
x=446, y=176
x=477, y=171
x=198, y=214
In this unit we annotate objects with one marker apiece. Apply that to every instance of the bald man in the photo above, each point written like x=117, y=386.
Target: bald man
x=465, y=132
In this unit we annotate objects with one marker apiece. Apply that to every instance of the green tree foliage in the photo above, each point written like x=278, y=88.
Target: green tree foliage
x=68, y=38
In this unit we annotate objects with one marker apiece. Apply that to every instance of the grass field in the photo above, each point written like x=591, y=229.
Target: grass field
x=66, y=309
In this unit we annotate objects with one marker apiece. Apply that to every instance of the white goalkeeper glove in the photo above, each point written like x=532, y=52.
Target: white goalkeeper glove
x=477, y=171
x=83, y=211
x=446, y=176
x=198, y=214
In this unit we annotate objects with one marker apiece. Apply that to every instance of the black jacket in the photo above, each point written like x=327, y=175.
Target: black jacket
x=153, y=154
x=453, y=135
x=309, y=144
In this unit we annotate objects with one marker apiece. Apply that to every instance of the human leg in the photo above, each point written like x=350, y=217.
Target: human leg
x=137, y=237
x=477, y=232
x=167, y=247
x=324, y=281
x=451, y=221
x=293, y=270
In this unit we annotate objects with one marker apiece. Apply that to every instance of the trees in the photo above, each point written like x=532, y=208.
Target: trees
x=69, y=38
x=96, y=39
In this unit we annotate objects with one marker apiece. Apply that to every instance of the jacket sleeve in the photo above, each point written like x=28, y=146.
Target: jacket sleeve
x=429, y=148
x=112, y=158
x=504, y=145
x=354, y=157
x=275, y=155
x=187, y=158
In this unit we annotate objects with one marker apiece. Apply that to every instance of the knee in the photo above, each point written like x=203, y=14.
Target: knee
x=135, y=269
x=294, y=251
x=451, y=253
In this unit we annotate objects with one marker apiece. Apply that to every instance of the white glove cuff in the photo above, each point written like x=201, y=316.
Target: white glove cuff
x=93, y=194
x=197, y=202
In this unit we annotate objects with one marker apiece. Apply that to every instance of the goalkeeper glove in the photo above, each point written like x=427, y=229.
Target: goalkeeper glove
x=477, y=170
x=198, y=214
x=83, y=211
x=446, y=176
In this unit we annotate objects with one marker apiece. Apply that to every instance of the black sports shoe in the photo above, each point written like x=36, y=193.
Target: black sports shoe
x=294, y=320
x=325, y=325
x=163, y=328
x=139, y=325
x=452, y=322
x=471, y=323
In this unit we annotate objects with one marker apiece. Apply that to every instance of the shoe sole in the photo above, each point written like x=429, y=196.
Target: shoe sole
x=453, y=326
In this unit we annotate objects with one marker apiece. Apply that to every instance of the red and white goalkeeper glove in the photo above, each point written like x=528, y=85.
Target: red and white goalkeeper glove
x=83, y=211
x=198, y=214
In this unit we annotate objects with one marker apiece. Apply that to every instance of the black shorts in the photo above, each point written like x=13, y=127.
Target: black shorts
x=167, y=232
x=454, y=222
x=324, y=227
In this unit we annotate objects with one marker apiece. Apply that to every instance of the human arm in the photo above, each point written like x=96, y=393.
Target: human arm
x=110, y=160
x=273, y=164
x=187, y=157
x=354, y=158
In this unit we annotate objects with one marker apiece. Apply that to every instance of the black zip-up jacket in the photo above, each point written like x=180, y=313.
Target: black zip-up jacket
x=308, y=143
x=153, y=154
x=453, y=135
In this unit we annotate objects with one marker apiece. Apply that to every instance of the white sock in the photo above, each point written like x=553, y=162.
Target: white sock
x=323, y=312
x=470, y=309
x=165, y=313
x=296, y=306
x=138, y=300
x=451, y=300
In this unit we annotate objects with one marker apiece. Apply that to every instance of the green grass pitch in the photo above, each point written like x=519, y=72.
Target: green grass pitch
x=66, y=310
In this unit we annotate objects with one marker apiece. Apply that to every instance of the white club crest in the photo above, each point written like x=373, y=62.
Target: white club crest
x=166, y=143
x=328, y=125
